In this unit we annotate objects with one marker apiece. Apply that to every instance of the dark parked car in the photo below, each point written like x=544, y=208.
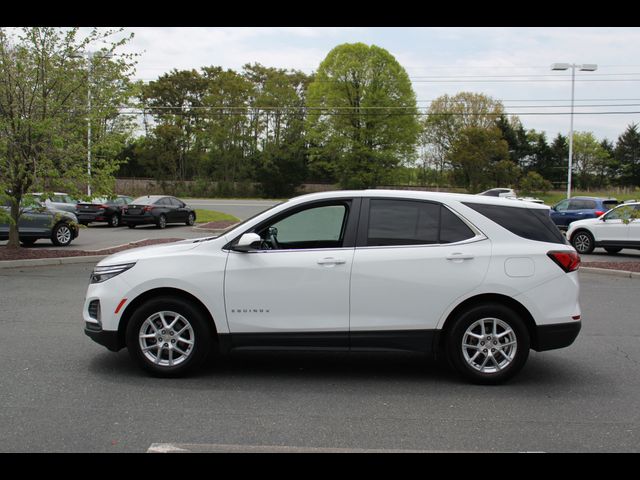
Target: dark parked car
x=102, y=210
x=159, y=210
x=40, y=222
x=579, y=208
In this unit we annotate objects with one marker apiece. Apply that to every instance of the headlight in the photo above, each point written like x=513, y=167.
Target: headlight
x=100, y=274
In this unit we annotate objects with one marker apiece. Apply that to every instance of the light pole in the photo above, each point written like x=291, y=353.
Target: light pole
x=89, y=57
x=586, y=67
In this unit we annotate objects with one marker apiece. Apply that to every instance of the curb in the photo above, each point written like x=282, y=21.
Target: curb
x=610, y=272
x=42, y=262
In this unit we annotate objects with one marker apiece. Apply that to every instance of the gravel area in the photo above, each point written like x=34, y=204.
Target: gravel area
x=626, y=266
x=23, y=253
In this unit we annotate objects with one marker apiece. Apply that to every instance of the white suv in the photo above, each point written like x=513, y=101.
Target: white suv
x=613, y=231
x=476, y=279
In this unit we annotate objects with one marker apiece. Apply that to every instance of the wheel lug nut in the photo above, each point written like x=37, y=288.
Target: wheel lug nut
x=481, y=343
x=493, y=349
x=164, y=331
x=166, y=345
x=173, y=341
x=484, y=351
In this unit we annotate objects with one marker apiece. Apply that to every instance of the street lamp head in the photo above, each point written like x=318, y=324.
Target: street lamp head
x=588, y=67
x=560, y=66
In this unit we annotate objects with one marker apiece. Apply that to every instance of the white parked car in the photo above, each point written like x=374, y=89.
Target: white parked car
x=479, y=280
x=609, y=231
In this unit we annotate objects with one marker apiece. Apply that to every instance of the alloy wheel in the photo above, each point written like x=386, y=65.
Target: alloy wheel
x=489, y=345
x=166, y=339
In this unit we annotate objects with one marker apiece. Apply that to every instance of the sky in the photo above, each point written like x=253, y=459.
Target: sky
x=509, y=64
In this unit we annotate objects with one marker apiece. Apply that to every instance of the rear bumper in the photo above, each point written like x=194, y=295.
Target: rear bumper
x=138, y=219
x=550, y=337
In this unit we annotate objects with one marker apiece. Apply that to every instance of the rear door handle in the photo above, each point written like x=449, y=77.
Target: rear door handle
x=331, y=261
x=459, y=256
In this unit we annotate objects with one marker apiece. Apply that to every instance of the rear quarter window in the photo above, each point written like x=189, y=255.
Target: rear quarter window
x=529, y=223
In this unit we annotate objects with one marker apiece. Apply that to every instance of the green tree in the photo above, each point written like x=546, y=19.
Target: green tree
x=627, y=155
x=362, y=118
x=589, y=158
x=474, y=155
x=533, y=182
x=278, y=144
x=43, y=112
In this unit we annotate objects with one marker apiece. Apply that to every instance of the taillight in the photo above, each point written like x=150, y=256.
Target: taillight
x=567, y=261
x=599, y=212
x=148, y=208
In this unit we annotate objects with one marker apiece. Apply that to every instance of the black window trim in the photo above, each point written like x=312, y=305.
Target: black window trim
x=363, y=225
x=352, y=204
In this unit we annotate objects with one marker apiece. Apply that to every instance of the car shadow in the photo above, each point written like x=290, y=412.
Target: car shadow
x=317, y=371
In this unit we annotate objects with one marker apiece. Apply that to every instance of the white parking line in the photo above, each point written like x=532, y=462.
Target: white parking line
x=223, y=448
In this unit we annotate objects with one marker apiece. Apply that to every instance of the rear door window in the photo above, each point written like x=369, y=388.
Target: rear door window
x=406, y=222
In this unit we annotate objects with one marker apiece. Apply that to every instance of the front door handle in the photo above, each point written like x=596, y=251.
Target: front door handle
x=331, y=261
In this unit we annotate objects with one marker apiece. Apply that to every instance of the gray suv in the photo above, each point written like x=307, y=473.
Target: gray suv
x=40, y=222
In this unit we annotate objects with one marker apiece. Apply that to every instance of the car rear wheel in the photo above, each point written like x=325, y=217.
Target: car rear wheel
x=168, y=337
x=191, y=219
x=488, y=344
x=583, y=242
x=114, y=220
x=162, y=221
x=28, y=242
x=613, y=250
x=61, y=235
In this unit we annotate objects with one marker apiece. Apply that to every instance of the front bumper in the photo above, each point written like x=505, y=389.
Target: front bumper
x=550, y=337
x=105, y=338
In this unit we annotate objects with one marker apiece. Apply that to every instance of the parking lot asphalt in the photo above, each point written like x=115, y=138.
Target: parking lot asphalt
x=61, y=392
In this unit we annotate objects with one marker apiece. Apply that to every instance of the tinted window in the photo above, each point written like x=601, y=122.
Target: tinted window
x=452, y=229
x=562, y=206
x=582, y=205
x=608, y=204
x=145, y=200
x=312, y=228
x=533, y=224
x=175, y=202
x=404, y=222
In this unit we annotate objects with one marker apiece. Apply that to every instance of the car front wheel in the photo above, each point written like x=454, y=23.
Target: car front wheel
x=61, y=235
x=114, y=220
x=583, y=242
x=488, y=344
x=168, y=337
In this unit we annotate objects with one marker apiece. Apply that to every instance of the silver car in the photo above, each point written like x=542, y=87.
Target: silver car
x=58, y=201
x=59, y=226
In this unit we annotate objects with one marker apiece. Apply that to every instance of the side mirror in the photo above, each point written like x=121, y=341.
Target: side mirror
x=248, y=242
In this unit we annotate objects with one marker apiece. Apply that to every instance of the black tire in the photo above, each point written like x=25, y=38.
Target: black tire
x=131, y=225
x=162, y=221
x=191, y=219
x=200, y=334
x=613, y=250
x=501, y=359
x=114, y=220
x=28, y=242
x=583, y=242
x=62, y=235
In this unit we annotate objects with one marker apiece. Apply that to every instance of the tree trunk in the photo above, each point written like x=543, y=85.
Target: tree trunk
x=14, y=238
